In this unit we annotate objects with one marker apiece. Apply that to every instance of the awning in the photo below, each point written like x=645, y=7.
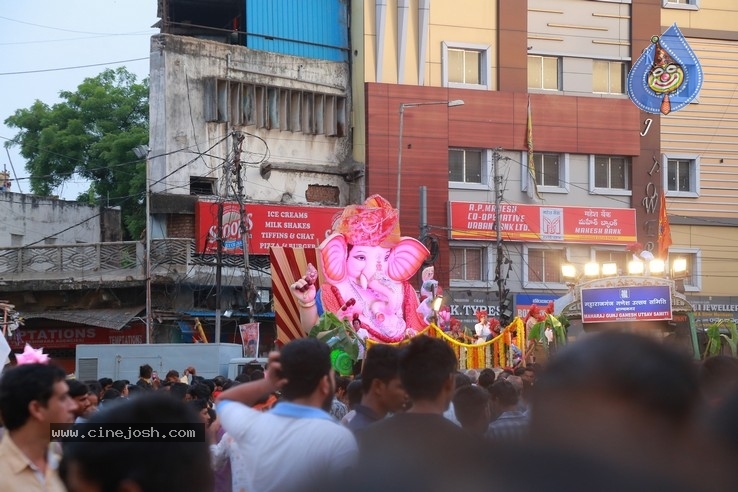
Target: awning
x=112, y=318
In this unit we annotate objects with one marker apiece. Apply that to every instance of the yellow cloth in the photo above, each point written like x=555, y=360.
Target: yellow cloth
x=18, y=474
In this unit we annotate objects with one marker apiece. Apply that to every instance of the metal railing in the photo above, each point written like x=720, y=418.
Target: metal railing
x=118, y=261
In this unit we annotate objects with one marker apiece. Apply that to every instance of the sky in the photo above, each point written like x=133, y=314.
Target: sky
x=48, y=46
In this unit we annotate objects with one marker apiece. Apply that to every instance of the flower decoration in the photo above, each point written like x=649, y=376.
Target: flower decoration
x=31, y=355
x=373, y=223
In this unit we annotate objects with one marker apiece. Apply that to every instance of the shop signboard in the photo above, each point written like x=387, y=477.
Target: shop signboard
x=627, y=303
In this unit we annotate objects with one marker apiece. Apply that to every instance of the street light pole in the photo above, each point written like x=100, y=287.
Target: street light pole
x=450, y=104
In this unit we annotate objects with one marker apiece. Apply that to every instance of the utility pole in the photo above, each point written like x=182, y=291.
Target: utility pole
x=218, y=268
x=499, y=279
x=247, y=283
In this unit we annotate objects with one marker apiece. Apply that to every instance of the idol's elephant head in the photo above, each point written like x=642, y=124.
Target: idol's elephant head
x=404, y=260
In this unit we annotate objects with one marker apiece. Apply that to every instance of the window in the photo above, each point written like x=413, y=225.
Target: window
x=693, y=280
x=202, y=186
x=681, y=4
x=610, y=175
x=620, y=258
x=547, y=169
x=682, y=175
x=552, y=172
x=467, y=264
x=608, y=77
x=543, y=266
x=543, y=72
x=275, y=108
x=466, y=166
x=467, y=65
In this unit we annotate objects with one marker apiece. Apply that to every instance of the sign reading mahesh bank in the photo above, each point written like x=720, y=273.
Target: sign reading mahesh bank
x=295, y=226
x=476, y=220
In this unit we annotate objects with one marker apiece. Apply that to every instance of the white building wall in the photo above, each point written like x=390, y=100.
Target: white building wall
x=29, y=219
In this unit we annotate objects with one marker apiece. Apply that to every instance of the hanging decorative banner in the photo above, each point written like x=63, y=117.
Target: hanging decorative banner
x=667, y=76
x=250, y=339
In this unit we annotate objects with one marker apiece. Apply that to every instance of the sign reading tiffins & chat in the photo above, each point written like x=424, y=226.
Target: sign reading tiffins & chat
x=267, y=225
x=476, y=220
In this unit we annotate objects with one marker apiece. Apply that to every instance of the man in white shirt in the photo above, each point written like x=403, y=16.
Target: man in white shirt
x=297, y=443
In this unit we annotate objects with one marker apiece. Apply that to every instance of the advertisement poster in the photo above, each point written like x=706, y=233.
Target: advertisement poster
x=634, y=303
x=295, y=226
x=476, y=220
x=523, y=302
x=250, y=339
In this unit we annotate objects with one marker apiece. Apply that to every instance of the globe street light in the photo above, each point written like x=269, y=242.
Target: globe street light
x=450, y=104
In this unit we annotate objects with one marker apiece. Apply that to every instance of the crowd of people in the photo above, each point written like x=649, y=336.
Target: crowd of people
x=611, y=411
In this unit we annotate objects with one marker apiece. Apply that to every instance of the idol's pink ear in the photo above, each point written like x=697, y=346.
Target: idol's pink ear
x=333, y=253
x=406, y=257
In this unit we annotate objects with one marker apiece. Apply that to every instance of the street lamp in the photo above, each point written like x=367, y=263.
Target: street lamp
x=450, y=104
x=142, y=152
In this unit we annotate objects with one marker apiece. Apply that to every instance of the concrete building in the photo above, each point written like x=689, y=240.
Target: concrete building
x=252, y=118
x=567, y=60
x=34, y=220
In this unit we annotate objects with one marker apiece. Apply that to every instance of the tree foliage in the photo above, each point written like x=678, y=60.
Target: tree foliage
x=91, y=132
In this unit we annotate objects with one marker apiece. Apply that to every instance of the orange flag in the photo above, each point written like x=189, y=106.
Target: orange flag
x=664, y=229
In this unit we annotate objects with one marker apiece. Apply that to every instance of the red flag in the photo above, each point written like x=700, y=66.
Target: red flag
x=664, y=229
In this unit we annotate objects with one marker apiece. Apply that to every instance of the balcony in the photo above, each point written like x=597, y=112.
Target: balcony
x=120, y=264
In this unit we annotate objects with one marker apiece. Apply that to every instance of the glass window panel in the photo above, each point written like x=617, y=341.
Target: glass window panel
x=550, y=73
x=472, y=67
x=617, y=77
x=601, y=172
x=683, y=174
x=535, y=265
x=551, y=170
x=457, y=261
x=456, y=66
x=473, y=166
x=473, y=264
x=534, y=72
x=552, y=266
x=538, y=165
x=600, y=76
x=618, y=173
x=671, y=177
x=456, y=165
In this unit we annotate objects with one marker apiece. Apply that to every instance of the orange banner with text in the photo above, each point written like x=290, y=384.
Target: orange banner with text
x=476, y=220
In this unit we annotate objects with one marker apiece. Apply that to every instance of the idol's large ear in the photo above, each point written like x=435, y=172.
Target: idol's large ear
x=406, y=257
x=333, y=253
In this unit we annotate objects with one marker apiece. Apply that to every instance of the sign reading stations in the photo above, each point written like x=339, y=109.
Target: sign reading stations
x=476, y=220
x=633, y=303
x=268, y=225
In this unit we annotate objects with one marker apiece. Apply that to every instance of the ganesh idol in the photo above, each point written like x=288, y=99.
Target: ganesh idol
x=366, y=265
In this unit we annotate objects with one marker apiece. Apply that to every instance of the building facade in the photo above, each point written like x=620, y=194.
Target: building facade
x=564, y=60
x=699, y=161
x=251, y=120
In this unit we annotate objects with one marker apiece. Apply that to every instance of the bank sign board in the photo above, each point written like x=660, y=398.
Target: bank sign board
x=631, y=303
x=476, y=221
x=268, y=225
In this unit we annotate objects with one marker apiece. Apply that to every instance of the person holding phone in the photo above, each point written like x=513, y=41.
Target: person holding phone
x=146, y=380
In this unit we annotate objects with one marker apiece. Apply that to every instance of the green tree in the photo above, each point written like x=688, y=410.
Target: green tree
x=91, y=132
